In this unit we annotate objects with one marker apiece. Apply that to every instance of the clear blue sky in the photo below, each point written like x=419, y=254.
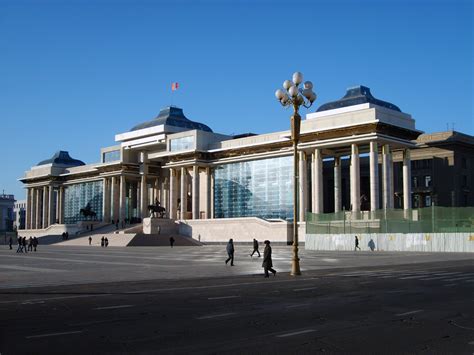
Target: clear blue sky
x=75, y=73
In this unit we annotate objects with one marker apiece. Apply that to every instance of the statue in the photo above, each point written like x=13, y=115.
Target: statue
x=156, y=208
x=87, y=212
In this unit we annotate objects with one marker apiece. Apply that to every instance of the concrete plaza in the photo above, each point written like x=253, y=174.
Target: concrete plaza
x=185, y=300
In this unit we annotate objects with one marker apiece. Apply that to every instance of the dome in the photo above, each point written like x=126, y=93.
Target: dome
x=62, y=158
x=172, y=116
x=355, y=96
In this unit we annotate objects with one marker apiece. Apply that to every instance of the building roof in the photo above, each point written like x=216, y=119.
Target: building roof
x=355, y=96
x=62, y=158
x=172, y=116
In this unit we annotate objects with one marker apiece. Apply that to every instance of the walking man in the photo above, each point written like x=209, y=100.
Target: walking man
x=90, y=240
x=20, y=245
x=10, y=242
x=255, y=247
x=102, y=241
x=35, y=243
x=230, y=252
x=356, y=244
x=267, y=263
x=171, y=241
x=106, y=242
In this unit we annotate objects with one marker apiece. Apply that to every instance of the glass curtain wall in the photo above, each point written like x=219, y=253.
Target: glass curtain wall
x=80, y=196
x=258, y=188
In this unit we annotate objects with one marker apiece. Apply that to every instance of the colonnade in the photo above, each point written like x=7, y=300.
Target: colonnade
x=44, y=206
x=317, y=192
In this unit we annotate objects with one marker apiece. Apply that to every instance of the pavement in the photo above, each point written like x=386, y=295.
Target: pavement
x=186, y=300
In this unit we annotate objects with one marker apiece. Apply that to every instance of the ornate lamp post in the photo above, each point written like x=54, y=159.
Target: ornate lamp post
x=294, y=96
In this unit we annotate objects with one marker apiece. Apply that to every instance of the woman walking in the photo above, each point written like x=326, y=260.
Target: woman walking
x=267, y=259
x=230, y=252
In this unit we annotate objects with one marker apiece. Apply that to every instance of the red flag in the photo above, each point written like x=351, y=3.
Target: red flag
x=174, y=86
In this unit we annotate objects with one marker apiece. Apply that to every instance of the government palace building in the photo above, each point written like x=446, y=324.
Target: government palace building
x=358, y=153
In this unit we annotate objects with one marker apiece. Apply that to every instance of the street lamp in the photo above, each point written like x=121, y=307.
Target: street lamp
x=293, y=95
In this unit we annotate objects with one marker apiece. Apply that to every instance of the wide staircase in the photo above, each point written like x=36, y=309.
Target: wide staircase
x=133, y=236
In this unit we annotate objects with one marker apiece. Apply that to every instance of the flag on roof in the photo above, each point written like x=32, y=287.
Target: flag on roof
x=174, y=86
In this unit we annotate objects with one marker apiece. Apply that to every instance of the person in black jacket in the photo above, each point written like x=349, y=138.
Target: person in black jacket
x=230, y=252
x=267, y=263
x=255, y=247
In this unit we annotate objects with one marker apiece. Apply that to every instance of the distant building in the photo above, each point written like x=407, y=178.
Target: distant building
x=19, y=213
x=7, y=203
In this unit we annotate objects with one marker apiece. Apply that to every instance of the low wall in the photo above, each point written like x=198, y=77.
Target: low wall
x=424, y=242
x=240, y=229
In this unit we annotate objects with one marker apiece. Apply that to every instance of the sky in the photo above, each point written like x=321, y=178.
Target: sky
x=73, y=73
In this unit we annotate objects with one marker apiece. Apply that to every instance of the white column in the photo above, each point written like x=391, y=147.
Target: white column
x=208, y=193
x=212, y=187
x=317, y=181
x=195, y=192
x=355, y=178
x=106, y=200
x=143, y=196
x=406, y=180
x=392, y=187
x=61, y=205
x=303, y=190
x=50, y=205
x=28, y=209
x=38, y=209
x=173, y=198
x=374, y=176
x=337, y=185
x=386, y=167
x=122, y=198
x=184, y=193
x=45, y=207
x=115, y=199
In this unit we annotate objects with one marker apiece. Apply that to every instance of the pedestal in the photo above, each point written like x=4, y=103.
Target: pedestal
x=151, y=226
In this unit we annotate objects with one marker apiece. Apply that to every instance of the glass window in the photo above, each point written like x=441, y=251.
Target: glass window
x=414, y=181
x=183, y=143
x=80, y=196
x=427, y=180
x=428, y=201
x=259, y=188
x=114, y=155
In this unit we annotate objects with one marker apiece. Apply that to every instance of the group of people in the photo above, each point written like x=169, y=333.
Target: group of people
x=25, y=246
x=371, y=244
x=267, y=262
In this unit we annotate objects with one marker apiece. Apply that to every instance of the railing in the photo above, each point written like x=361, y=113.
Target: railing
x=422, y=220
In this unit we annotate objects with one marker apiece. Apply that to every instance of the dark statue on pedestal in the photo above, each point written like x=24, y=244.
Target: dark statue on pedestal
x=156, y=209
x=87, y=212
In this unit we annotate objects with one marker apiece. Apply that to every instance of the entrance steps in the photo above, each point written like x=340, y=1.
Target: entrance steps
x=115, y=240
x=160, y=240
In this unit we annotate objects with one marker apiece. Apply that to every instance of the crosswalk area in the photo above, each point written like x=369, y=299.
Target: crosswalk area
x=426, y=275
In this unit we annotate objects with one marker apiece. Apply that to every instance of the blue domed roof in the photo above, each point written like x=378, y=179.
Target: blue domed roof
x=61, y=158
x=355, y=96
x=172, y=116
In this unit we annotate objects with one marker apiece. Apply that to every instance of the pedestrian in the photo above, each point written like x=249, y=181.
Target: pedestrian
x=171, y=241
x=10, y=242
x=255, y=247
x=356, y=244
x=35, y=243
x=267, y=263
x=102, y=241
x=117, y=225
x=106, y=242
x=24, y=244
x=20, y=245
x=371, y=244
x=90, y=240
x=30, y=244
x=230, y=252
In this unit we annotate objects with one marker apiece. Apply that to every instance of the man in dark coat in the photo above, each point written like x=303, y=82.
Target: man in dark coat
x=24, y=244
x=35, y=243
x=255, y=247
x=230, y=252
x=171, y=241
x=356, y=244
x=10, y=242
x=267, y=263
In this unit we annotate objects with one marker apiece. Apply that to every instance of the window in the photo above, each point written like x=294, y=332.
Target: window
x=183, y=143
x=464, y=162
x=427, y=180
x=428, y=201
x=414, y=181
x=113, y=155
x=464, y=181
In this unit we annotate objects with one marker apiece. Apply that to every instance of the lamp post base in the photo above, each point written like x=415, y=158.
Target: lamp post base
x=295, y=262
